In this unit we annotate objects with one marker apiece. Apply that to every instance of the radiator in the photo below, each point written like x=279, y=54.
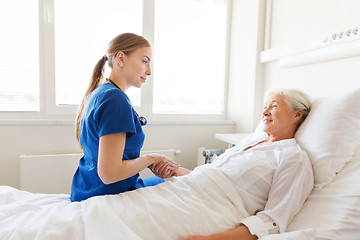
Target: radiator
x=53, y=173
x=207, y=155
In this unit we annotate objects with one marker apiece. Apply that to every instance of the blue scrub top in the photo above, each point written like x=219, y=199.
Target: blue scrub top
x=108, y=111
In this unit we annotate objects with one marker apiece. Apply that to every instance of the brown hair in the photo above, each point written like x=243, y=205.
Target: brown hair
x=126, y=43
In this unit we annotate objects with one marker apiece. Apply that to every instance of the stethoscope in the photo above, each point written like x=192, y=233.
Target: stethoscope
x=142, y=119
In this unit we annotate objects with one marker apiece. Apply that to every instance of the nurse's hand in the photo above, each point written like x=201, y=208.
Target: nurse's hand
x=163, y=166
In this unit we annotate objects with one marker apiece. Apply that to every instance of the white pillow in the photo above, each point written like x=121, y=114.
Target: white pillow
x=330, y=134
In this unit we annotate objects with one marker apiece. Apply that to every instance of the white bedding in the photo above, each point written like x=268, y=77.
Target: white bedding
x=334, y=211
x=330, y=135
x=329, y=213
x=141, y=214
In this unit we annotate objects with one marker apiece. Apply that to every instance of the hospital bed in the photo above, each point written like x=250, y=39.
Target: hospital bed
x=330, y=135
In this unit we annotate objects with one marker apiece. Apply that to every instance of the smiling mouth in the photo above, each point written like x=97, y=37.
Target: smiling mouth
x=267, y=120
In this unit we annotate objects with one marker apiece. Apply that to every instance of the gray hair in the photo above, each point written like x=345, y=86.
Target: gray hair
x=296, y=99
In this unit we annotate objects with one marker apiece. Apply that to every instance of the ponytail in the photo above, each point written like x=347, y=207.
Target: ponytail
x=96, y=78
x=127, y=43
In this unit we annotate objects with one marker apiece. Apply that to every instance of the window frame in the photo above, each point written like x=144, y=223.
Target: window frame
x=47, y=93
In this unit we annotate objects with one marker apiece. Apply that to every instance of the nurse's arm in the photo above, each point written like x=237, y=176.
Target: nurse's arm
x=111, y=167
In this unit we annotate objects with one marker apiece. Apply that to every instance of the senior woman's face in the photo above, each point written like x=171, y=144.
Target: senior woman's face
x=279, y=120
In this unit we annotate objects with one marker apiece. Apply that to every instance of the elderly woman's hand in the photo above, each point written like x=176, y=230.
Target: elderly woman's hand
x=163, y=166
x=197, y=238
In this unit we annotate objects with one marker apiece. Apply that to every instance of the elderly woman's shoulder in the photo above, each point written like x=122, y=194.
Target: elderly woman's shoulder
x=294, y=152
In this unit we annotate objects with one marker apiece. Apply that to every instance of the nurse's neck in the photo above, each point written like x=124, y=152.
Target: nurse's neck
x=118, y=80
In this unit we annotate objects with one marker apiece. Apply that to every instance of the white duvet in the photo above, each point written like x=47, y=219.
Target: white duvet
x=172, y=210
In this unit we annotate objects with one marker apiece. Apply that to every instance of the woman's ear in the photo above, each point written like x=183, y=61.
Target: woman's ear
x=120, y=57
x=299, y=114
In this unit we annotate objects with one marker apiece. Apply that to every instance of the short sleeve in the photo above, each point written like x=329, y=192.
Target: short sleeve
x=114, y=114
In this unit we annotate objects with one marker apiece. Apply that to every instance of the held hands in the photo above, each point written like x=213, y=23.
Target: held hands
x=162, y=166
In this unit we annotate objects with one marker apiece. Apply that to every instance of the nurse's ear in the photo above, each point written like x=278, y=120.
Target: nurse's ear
x=120, y=58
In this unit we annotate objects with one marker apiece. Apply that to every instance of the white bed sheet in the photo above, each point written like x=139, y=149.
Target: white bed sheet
x=172, y=210
x=330, y=213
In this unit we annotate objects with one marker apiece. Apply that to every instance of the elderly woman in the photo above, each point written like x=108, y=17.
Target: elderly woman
x=272, y=173
x=252, y=190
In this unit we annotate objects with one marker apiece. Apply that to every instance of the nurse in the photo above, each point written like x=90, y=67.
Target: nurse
x=109, y=129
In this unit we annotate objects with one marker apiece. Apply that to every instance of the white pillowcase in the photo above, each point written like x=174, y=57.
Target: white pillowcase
x=330, y=134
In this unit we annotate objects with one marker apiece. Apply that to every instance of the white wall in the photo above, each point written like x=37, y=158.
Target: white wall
x=33, y=139
x=291, y=21
x=245, y=71
x=294, y=21
x=27, y=139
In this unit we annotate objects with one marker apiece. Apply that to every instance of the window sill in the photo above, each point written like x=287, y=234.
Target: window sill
x=192, y=122
x=36, y=122
x=66, y=122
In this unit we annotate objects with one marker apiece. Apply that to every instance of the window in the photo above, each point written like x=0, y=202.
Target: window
x=81, y=41
x=19, y=58
x=189, y=39
x=190, y=56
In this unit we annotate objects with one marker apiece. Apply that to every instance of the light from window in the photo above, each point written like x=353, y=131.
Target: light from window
x=189, y=56
x=19, y=58
x=83, y=30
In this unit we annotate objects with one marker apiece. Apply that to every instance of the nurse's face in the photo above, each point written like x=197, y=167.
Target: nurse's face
x=279, y=120
x=137, y=67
